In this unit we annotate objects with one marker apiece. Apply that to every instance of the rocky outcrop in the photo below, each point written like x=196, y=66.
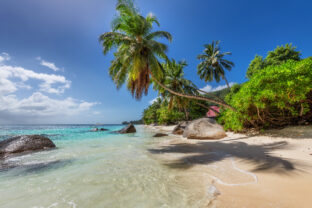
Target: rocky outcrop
x=179, y=129
x=160, y=135
x=25, y=143
x=204, y=128
x=128, y=129
x=103, y=129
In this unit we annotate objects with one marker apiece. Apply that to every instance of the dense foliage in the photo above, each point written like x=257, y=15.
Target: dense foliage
x=275, y=96
x=160, y=113
x=278, y=56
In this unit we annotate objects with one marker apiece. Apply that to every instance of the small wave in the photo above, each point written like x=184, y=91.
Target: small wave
x=255, y=178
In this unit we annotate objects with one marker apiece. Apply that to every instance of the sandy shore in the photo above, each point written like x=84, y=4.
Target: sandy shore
x=273, y=169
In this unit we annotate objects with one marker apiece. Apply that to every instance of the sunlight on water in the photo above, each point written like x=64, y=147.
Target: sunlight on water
x=93, y=169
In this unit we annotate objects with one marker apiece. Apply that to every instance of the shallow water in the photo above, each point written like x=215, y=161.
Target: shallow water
x=93, y=169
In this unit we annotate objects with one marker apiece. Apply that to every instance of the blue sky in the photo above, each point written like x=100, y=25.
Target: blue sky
x=52, y=69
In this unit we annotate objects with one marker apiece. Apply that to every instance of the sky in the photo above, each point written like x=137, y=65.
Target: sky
x=52, y=69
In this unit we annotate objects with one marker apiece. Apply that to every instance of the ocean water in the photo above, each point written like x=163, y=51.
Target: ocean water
x=92, y=169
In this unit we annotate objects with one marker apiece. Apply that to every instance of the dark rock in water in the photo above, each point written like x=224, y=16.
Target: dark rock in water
x=103, y=129
x=160, y=135
x=25, y=143
x=204, y=128
x=128, y=129
x=95, y=129
x=179, y=129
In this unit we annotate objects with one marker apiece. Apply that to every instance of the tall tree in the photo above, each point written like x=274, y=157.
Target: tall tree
x=213, y=63
x=278, y=56
x=281, y=54
x=136, y=59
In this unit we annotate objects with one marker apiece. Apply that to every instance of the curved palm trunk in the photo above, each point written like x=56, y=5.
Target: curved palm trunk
x=193, y=96
x=210, y=94
x=208, y=108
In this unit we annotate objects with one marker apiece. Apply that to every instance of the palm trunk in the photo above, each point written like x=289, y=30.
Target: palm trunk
x=227, y=83
x=209, y=94
x=193, y=96
x=186, y=114
x=208, y=108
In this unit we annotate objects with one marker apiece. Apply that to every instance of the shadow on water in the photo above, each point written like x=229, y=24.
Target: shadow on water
x=17, y=169
x=209, y=152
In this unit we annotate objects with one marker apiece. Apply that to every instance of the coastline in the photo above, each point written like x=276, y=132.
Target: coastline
x=273, y=169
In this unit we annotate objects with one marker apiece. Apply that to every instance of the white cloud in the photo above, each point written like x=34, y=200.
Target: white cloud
x=48, y=64
x=41, y=105
x=51, y=83
x=154, y=100
x=209, y=88
x=37, y=107
x=4, y=57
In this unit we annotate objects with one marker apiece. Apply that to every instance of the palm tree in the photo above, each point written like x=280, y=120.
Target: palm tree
x=174, y=79
x=136, y=59
x=213, y=64
x=137, y=51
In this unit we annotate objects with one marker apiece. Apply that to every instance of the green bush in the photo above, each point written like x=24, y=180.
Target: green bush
x=275, y=96
x=166, y=116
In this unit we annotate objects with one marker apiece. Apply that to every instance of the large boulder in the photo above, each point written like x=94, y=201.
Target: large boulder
x=179, y=129
x=128, y=129
x=25, y=143
x=204, y=128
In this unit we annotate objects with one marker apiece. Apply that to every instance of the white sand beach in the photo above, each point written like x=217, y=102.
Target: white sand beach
x=272, y=169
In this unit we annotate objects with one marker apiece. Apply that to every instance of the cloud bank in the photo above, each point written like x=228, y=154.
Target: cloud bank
x=14, y=107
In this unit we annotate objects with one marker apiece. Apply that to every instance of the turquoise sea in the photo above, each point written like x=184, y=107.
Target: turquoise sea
x=91, y=169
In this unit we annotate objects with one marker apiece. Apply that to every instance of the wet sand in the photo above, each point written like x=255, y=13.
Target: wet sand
x=273, y=169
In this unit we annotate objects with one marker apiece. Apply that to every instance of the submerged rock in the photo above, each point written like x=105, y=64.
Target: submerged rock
x=103, y=129
x=95, y=129
x=160, y=135
x=128, y=129
x=25, y=143
x=204, y=128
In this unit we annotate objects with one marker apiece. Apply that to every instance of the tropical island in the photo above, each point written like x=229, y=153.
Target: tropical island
x=278, y=92
x=246, y=142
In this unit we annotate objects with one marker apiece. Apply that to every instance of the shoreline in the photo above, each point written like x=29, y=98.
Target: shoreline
x=273, y=169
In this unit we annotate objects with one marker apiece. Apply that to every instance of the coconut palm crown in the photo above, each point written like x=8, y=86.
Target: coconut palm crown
x=213, y=64
x=137, y=50
x=174, y=79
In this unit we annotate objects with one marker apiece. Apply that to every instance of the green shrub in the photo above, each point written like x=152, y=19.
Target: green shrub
x=166, y=116
x=275, y=96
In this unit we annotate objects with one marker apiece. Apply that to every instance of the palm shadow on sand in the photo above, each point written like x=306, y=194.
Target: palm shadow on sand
x=260, y=156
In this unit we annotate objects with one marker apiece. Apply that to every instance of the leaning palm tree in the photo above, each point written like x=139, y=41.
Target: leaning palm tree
x=174, y=80
x=213, y=64
x=136, y=59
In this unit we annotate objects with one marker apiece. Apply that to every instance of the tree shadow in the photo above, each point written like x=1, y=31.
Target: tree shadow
x=293, y=132
x=259, y=156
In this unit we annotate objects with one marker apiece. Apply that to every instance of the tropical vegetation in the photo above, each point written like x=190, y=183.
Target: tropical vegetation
x=280, y=55
x=278, y=92
x=274, y=96
x=137, y=58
